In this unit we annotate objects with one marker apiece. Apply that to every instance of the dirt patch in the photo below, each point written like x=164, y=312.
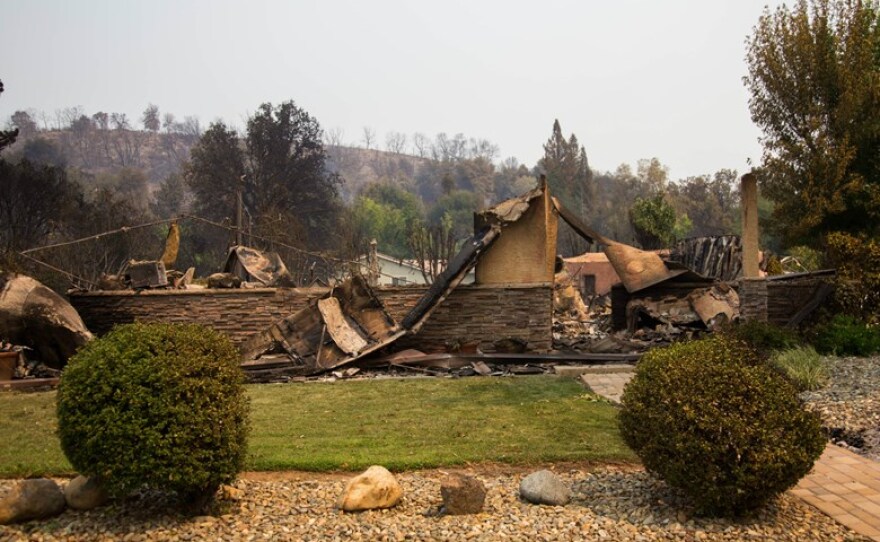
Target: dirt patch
x=473, y=469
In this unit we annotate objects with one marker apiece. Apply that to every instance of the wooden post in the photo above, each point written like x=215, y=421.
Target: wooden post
x=373, y=265
x=749, y=194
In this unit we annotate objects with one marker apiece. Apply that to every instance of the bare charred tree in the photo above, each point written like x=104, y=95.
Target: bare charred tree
x=103, y=211
x=126, y=143
x=369, y=138
x=102, y=124
x=80, y=139
x=432, y=247
x=395, y=142
x=421, y=145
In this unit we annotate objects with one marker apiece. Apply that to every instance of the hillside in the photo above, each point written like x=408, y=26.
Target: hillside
x=95, y=151
x=99, y=152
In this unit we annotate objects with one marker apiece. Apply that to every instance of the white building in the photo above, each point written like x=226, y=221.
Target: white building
x=397, y=272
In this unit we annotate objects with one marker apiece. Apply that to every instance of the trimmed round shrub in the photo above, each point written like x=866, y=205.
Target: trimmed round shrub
x=159, y=406
x=712, y=419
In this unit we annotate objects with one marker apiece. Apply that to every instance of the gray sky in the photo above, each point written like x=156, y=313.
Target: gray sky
x=632, y=79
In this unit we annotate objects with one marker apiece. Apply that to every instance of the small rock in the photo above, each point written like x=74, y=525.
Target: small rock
x=224, y=280
x=374, y=488
x=84, y=493
x=31, y=499
x=230, y=493
x=544, y=487
x=462, y=494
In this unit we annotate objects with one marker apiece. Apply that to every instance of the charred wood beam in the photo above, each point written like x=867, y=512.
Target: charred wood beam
x=450, y=278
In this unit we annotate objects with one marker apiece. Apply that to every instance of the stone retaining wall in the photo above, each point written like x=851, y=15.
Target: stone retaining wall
x=470, y=313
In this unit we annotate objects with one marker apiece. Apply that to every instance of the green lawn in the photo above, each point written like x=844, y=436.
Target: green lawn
x=402, y=424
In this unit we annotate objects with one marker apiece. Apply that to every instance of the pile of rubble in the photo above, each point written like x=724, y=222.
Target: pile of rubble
x=588, y=327
x=39, y=330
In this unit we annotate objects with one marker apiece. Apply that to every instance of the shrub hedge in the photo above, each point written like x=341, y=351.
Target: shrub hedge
x=847, y=336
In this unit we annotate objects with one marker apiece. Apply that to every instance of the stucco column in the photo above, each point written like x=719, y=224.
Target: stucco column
x=749, y=194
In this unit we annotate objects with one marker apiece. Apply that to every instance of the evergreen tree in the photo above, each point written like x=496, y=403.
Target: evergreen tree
x=214, y=173
x=570, y=180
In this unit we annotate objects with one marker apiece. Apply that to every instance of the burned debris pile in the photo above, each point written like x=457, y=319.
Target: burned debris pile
x=345, y=324
x=655, y=300
x=39, y=330
x=351, y=322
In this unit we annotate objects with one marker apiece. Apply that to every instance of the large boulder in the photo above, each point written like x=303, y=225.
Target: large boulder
x=374, y=488
x=33, y=315
x=462, y=494
x=84, y=493
x=544, y=487
x=31, y=499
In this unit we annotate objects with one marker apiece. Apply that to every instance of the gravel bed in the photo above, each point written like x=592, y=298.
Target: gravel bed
x=850, y=403
x=610, y=503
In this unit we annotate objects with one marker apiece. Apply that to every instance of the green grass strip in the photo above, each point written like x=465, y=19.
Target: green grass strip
x=401, y=424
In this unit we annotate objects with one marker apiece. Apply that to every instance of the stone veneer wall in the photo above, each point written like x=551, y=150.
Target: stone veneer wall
x=239, y=313
x=776, y=301
x=470, y=313
x=484, y=313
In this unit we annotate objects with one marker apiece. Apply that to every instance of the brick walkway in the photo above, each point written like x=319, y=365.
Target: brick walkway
x=843, y=485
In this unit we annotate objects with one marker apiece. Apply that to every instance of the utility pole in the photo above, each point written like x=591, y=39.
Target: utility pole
x=239, y=211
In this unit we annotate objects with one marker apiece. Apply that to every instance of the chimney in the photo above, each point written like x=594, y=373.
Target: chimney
x=749, y=195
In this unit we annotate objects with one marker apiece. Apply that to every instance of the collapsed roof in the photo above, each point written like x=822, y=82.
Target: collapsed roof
x=637, y=269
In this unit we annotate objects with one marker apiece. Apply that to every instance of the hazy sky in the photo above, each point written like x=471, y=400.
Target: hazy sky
x=632, y=79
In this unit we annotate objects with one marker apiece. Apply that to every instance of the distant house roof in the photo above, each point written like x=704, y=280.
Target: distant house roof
x=588, y=257
x=410, y=263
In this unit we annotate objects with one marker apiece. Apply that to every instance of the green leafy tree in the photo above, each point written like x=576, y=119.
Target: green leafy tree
x=512, y=179
x=711, y=202
x=459, y=206
x=815, y=92
x=655, y=223
x=386, y=213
